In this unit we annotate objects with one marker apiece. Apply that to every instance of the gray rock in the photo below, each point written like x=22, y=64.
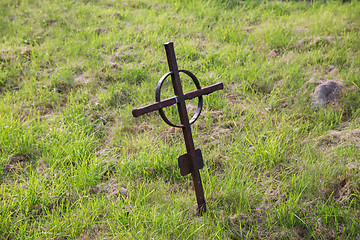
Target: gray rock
x=329, y=91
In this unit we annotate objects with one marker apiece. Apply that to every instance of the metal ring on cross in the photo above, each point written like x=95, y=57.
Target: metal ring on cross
x=200, y=102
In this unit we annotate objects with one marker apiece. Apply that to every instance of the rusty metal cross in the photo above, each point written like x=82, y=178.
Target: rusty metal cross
x=192, y=161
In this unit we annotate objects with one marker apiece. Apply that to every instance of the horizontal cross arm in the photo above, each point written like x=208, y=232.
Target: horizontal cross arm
x=153, y=107
x=171, y=101
x=204, y=91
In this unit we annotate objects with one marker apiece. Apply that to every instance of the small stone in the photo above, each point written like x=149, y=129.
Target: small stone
x=328, y=91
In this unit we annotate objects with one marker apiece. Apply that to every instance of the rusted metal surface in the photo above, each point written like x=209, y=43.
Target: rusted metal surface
x=192, y=161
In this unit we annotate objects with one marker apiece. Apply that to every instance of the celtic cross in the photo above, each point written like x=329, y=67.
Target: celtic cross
x=192, y=161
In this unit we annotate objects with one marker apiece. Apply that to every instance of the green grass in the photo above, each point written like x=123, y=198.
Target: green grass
x=75, y=164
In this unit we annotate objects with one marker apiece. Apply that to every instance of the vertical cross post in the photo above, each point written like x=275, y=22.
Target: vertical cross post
x=184, y=119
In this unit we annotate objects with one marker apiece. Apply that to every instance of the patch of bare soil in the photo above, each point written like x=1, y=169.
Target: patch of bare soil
x=119, y=56
x=218, y=163
x=112, y=132
x=217, y=135
x=42, y=167
x=116, y=57
x=111, y=189
x=288, y=56
x=339, y=138
x=17, y=164
x=322, y=231
x=82, y=80
x=274, y=53
x=301, y=29
x=142, y=127
x=19, y=158
x=93, y=231
x=109, y=73
x=180, y=187
x=59, y=87
x=171, y=135
x=24, y=51
x=332, y=71
x=315, y=41
x=217, y=114
x=342, y=190
x=232, y=99
x=101, y=30
x=6, y=56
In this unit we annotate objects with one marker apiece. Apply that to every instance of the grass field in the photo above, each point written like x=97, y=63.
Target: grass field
x=75, y=164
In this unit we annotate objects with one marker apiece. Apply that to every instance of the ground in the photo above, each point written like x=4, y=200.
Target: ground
x=75, y=164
